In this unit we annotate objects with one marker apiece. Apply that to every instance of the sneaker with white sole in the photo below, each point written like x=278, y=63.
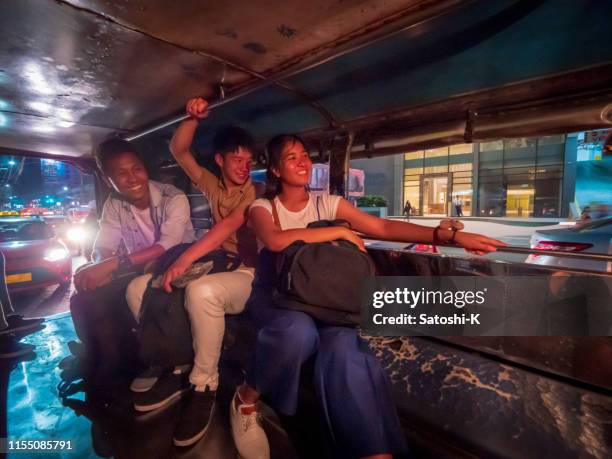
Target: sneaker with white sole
x=167, y=389
x=147, y=378
x=142, y=383
x=196, y=416
x=249, y=437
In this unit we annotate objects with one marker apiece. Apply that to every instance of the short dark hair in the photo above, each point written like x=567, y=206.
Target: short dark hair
x=112, y=148
x=228, y=139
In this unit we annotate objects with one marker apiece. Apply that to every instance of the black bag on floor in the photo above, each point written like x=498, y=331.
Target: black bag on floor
x=323, y=279
x=164, y=329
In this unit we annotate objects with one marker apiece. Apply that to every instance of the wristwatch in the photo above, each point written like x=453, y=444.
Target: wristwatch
x=438, y=241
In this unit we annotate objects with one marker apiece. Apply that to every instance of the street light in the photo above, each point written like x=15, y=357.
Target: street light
x=11, y=163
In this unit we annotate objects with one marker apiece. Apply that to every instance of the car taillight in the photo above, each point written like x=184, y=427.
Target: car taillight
x=562, y=246
x=425, y=248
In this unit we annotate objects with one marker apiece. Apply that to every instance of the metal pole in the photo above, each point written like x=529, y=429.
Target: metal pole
x=550, y=253
x=157, y=127
x=183, y=117
x=347, y=162
x=556, y=253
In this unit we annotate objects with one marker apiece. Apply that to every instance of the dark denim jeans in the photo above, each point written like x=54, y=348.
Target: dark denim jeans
x=352, y=389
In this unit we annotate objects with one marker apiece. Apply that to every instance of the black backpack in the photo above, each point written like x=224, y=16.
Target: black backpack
x=164, y=331
x=322, y=279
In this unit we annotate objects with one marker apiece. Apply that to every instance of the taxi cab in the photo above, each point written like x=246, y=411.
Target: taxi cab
x=35, y=257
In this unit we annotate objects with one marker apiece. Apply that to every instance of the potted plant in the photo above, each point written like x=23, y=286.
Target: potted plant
x=374, y=205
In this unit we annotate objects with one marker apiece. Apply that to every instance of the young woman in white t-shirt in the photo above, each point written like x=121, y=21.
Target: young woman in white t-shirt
x=351, y=387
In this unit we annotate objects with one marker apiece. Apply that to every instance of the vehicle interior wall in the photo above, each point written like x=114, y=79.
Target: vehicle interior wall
x=568, y=357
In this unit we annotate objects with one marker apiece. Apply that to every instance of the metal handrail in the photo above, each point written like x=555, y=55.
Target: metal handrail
x=556, y=253
x=550, y=253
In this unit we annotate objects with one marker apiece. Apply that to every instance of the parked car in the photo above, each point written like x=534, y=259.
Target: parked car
x=593, y=236
x=35, y=257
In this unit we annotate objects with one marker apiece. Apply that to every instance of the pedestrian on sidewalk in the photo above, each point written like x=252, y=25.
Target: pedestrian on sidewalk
x=458, y=206
x=407, y=209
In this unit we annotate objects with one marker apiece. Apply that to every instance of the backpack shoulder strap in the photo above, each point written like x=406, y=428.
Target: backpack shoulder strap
x=274, y=213
x=318, y=213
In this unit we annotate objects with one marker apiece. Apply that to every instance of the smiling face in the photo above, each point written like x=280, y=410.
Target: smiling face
x=127, y=174
x=295, y=166
x=235, y=166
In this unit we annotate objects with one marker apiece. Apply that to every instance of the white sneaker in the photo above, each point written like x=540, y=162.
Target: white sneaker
x=249, y=437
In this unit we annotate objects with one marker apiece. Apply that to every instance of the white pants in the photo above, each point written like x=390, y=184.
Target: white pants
x=207, y=300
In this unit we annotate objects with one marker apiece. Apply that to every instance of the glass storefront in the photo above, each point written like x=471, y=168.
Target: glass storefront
x=438, y=182
x=517, y=178
x=519, y=198
x=435, y=194
x=521, y=177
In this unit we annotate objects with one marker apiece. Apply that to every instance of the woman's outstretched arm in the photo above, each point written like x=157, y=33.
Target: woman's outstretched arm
x=394, y=230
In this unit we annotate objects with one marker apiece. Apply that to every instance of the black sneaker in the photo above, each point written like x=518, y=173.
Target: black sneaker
x=195, y=417
x=10, y=348
x=145, y=380
x=166, y=389
x=17, y=324
x=66, y=389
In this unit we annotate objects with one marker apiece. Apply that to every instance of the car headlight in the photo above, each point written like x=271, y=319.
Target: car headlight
x=56, y=254
x=76, y=234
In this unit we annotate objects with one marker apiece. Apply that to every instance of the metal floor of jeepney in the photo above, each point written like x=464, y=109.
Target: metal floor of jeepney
x=34, y=411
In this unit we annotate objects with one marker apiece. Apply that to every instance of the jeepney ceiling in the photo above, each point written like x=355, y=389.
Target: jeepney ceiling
x=258, y=35
x=73, y=72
